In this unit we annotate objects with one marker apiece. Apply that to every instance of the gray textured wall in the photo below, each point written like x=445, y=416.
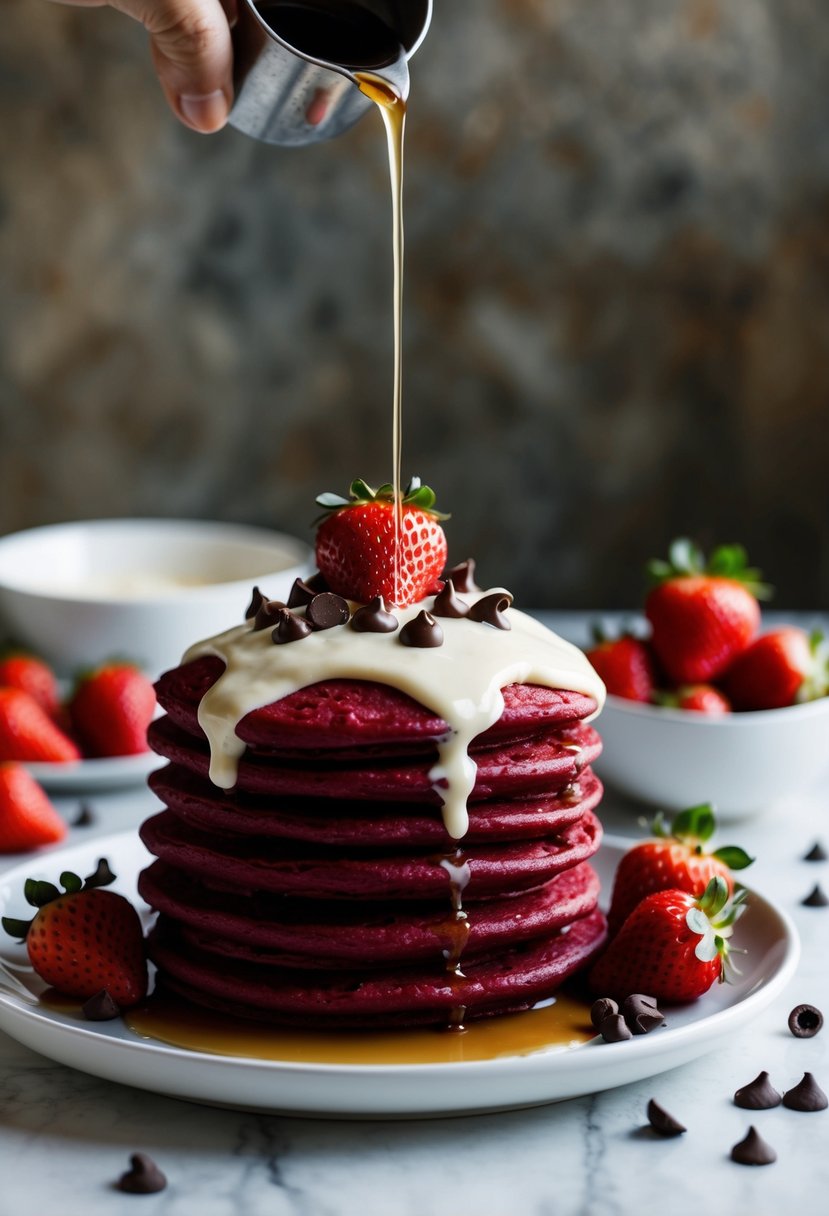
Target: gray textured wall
x=617, y=320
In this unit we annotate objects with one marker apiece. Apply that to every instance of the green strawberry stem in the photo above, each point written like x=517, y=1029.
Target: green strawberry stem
x=726, y=561
x=360, y=492
x=38, y=893
x=713, y=917
x=693, y=827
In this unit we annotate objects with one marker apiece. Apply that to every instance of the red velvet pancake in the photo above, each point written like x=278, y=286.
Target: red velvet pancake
x=318, y=934
x=325, y=873
x=546, y=762
x=367, y=825
x=516, y=979
x=342, y=714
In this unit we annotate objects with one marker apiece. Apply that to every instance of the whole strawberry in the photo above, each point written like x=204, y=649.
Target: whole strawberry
x=30, y=674
x=626, y=666
x=28, y=733
x=84, y=939
x=702, y=615
x=672, y=946
x=779, y=668
x=355, y=545
x=673, y=859
x=700, y=698
x=27, y=817
x=111, y=709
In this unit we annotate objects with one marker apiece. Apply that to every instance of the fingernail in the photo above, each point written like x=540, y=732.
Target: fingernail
x=205, y=111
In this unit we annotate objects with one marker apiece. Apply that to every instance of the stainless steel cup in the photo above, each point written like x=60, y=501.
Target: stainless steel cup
x=284, y=95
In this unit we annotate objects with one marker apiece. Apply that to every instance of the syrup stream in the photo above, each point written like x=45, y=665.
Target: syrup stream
x=392, y=109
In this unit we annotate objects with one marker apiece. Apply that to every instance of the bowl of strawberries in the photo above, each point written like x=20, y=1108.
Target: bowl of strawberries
x=707, y=702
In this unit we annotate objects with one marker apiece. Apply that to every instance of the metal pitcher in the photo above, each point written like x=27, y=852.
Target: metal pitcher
x=287, y=94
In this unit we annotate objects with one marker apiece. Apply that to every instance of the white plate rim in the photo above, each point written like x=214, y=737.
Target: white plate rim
x=110, y=1051
x=103, y=772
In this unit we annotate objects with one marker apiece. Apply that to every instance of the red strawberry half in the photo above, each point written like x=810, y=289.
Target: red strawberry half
x=84, y=939
x=355, y=545
x=702, y=615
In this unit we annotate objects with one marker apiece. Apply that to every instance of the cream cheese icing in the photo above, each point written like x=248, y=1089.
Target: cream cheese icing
x=461, y=681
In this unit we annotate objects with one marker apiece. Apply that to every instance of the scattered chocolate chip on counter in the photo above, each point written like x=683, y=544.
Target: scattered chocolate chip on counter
x=805, y=1021
x=816, y=853
x=101, y=1007
x=817, y=898
x=759, y=1094
x=753, y=1150
x=662, y=1122
x=806, y=1096
x=84, y=817
x=143, y=1178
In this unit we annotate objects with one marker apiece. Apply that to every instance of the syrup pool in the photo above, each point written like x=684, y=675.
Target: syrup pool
x=559, y=1026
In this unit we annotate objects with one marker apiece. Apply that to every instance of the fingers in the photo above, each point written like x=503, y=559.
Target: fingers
x=192, y=54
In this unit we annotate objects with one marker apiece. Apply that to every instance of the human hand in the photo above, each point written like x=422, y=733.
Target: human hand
x=192, y=53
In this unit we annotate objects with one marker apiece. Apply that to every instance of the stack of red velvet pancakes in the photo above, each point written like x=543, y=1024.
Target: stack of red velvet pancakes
x=323, y=889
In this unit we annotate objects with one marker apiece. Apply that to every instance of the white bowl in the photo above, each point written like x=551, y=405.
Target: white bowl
x=743, y=763
x=142, y=589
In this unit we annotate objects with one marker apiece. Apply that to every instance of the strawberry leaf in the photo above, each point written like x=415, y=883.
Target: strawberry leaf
x=733, y=856
x=696, y=823
x=70, y=882
x=16, y=928
x=38, y=893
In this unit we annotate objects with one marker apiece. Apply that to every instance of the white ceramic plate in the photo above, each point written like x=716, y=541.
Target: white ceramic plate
x=109, y=1050
x=88, y=776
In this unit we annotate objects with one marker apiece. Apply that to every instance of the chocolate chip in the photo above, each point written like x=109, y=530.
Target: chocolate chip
x=423, y=632
x=662, y=1122
x=143, y=1178
x=816, y=853
x=317, y=583
x=490, y=610
x=290, y=628
x=614, y=1029
x=256, y=601
x=448, y=604
x=100, y=1008
x=267, y=614
x=300, y=594
x=759, y=1094
x=806, y=1095
x=817, y=898
x=327, y=610
x=640, y=1013
x=373, y=618
x=462, y=576
x=753, y=1150
x=84, y=817
x=805, y=1021
x=603, y=1008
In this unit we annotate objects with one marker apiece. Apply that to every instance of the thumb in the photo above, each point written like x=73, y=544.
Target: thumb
x=192, y=54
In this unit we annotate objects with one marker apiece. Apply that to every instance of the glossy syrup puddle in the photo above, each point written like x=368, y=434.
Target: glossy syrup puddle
x=561, y=1025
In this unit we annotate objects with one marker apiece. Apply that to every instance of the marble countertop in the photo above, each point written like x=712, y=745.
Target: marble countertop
x=65, y=1137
